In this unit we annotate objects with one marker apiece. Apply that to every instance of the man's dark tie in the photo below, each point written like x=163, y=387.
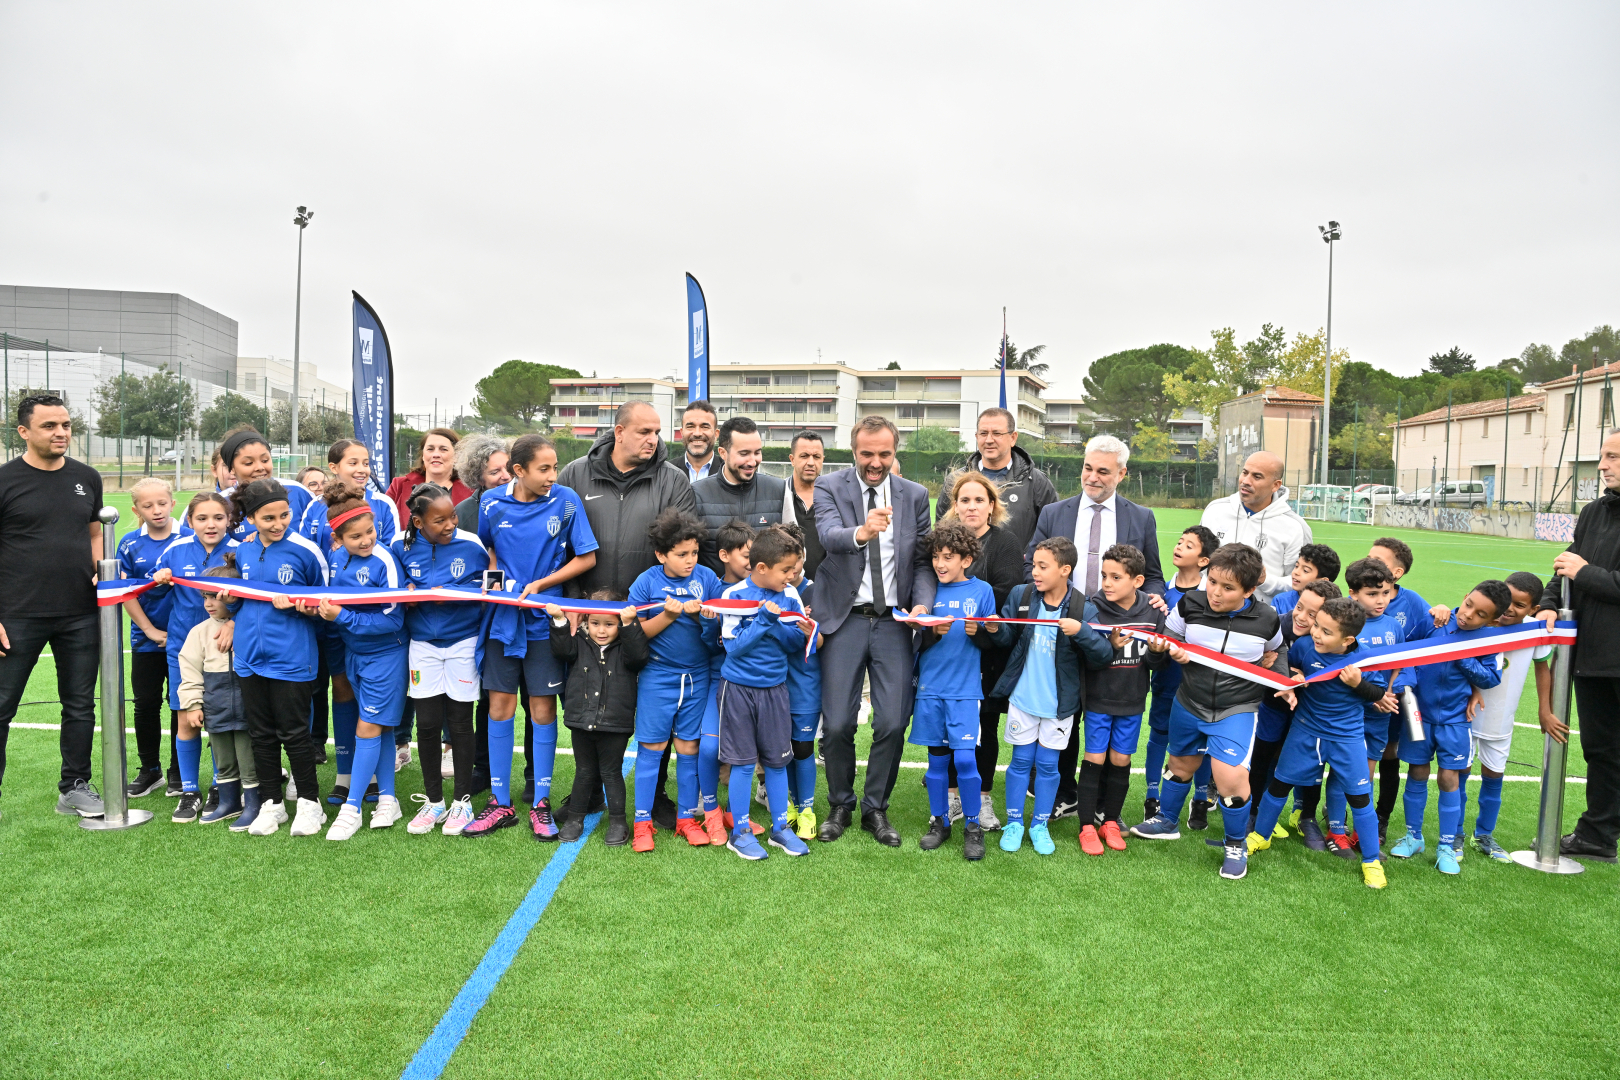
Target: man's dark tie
x=874, y=556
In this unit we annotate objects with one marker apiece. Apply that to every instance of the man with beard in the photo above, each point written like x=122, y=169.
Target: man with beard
x=737, y=490
x=697, y=439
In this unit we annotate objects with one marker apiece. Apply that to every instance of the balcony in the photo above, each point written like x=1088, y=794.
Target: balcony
x=909, y=395
x=1029, y=396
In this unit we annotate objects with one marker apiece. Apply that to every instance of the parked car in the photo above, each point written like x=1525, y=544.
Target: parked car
x=1376, y=494
x=1470, y=493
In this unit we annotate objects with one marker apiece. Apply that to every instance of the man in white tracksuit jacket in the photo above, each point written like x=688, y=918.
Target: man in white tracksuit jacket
x=1259, y=515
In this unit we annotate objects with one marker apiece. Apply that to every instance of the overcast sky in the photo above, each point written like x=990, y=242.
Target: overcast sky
x=874, y=181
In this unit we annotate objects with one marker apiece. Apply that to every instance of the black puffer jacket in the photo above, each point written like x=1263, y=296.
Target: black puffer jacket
x=758, y=502
x=1024, y=492
x=1595, y=592
x=601, y=690
x=620, y=506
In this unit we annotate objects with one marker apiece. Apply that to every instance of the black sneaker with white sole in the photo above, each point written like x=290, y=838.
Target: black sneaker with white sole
x=174, y=789
x=1198, y=814
x=1065, y=808
x=146, y=781
x=188, y=809
x=211, y=803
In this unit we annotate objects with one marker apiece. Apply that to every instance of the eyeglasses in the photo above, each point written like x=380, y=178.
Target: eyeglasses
x=994, y=434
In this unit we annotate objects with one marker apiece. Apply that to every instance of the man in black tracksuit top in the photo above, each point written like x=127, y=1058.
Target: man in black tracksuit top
x=737, y=490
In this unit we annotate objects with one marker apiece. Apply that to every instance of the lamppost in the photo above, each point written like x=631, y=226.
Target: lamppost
x=1330, y=232
x=301, y=219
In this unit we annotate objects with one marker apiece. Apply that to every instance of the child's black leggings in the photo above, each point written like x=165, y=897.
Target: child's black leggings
x=433, y=715
x=598, y=762
x=278, y=716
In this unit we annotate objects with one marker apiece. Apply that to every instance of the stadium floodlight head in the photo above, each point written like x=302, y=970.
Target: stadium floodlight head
x=303, y=217
x=1330, y=232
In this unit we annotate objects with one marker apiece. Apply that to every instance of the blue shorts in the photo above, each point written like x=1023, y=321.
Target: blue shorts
x=1165, y=684
x=1273, y=724
x=539, y=673
x=756, y=726
x=1304, y=754
x=1377, y=735
x=329, y=639
x=1230, y=739
x=380, y=681
x=1452, y=745
x=670, y=702
x=805, y=726
x=952, y=722
x=1117, y=733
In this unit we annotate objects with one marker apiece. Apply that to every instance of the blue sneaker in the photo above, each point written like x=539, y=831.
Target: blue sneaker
x=1446, y=860
x=1407, y=846
x=746, y=846
x=1012, y=835
x=1041, y=840
x=1493, y=851
x=1157, y=827
x=1236, y=864
x=788, y=841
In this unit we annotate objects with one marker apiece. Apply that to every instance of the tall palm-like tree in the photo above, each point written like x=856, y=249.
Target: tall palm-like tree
x=1028, y=360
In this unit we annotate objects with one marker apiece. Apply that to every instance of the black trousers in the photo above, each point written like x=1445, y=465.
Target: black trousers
x=148, y=676
x=598, y=763
x=456, y=717
x=1597, y=703
x=278, y=718
x=319, y=715
x=75, y=643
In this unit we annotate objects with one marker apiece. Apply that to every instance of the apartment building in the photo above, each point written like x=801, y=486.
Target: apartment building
x=584, y=407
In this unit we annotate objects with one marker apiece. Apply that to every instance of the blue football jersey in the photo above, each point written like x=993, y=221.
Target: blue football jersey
x=1411, y=611
x=138, y=555
x=684, y=644
x=531, y=540
x=949, y=668
x=1328, y=709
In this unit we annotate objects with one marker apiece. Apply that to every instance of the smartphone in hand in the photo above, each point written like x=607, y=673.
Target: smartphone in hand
x=494, y=581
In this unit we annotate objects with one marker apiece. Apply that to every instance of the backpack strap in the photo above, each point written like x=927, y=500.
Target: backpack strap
x=1021, y=593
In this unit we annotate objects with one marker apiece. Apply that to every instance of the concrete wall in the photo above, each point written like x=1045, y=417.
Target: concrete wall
x=1514, y=524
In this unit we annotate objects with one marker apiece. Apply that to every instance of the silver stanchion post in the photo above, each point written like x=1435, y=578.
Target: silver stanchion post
x=114, y=760
x=1550, y=826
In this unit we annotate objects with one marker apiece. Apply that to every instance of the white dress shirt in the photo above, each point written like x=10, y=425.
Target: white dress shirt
x=1082, y=535
x=885, y=539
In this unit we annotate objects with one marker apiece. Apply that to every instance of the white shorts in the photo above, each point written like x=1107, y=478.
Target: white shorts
x=1491, y=751
x=1023, y=729
x=451, y=670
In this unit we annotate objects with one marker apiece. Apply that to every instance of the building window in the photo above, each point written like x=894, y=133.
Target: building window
x=823, y=408
x=824, y=380
x=755, y=380
x=1607, y=408
x=878, y=386
x=1484, y=427
x=1527, y=418
x=1569, y=411
x=562, y=411
x=792, y=380
x=1424, y=430
x=1526, y=481
x=911, y=412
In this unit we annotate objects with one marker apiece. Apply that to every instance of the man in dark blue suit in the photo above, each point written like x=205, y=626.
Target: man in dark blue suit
x=1095, y=520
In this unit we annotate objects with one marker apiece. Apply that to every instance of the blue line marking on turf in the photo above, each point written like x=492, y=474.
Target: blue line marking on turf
x=434, y=1054
x=1482, y=566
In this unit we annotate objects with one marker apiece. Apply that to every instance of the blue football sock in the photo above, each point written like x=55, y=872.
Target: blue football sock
x=1271, y=808
x=545, y=758
x=1366, y=820
x=1450, y=816
x=1016, y=786
x=367, y=753
x=1173, y=796
x=345, y=715
x=189, y=751
x=1235, y=819
x=776, y=796
x=1334, y=803
x=1415, y=799
x=708, y=760
x=1046, y=782
x=1201, y=781
x=500, y=761
x=969, y=784
x=1490, y=805
x=686, y=784
x=1156, y=743
x=937, y=779
x=385, y=764
x=804, y=782
x=738, y=792
x=646, y=781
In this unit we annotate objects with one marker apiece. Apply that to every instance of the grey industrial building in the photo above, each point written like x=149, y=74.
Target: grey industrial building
x=158, y=329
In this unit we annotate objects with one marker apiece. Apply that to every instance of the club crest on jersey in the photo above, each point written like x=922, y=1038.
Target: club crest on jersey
x=696, y=590
x=1261, y=541
x=284, y=573
x=1400, y=617
x=970, y=608
x=458, y=567
x=363, y=575
x=554, y=526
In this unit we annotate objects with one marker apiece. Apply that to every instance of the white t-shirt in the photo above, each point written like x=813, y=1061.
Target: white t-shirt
x=1501, y=702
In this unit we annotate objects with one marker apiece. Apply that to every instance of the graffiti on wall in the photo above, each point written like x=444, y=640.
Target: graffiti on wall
x=1485, y=521
x=1559, y=527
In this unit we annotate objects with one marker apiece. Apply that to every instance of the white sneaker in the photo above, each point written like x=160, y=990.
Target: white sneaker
x=459, y=817
x=447, y=765
x=269, y=819
x=987, y=813
x=386, y=813
x=953, y=804
x=402, y=757
x=310, y=818
x=426, y=818
x=345, y=825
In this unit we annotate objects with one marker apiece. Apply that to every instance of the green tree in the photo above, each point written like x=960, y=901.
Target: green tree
x=518, y=392
x=934, y=439
x=1367, y=444
x=1263, y=356
x=1216, y=374
x=159, y=405
x=1451, y=362
x=893, y=365
x=1028, y=360
x=1129, y=385
x=228, y=411
x=1153, y=444
x=1537, y=364
x=1300, y=366
x=1577, y=352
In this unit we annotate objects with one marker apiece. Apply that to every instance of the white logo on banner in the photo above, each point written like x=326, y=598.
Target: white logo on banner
x=457, y=567
x=698, y=346
x=285, y=574
x=365, y=342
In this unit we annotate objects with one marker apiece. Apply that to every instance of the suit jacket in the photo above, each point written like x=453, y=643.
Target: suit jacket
x=840, y=509
x=1134, y=525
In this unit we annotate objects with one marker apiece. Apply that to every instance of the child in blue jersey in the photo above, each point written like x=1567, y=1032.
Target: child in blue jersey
x=1115, y=696
x=1444, y=697
x=376, y=651
x=350, y=462
x=804, y=703
x=674, y=687
x=756, y=722
x=539, y=538
x=1190, y=557
x=208, y=546
x=444, y=651
x=1418, y=620
x=138, y=553
x=276, y=654
x=1327, y=729
x=1316, y=562
x=244, y=456
x=945, y=717
x=732, y=543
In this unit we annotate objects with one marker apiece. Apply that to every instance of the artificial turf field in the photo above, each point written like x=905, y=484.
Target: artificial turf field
x=194, y=952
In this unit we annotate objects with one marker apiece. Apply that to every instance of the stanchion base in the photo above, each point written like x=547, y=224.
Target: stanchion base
x=132, y=818
x=1565, y=864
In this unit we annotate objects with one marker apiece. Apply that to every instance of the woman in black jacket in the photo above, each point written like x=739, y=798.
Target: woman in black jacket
x=599, y=707
x=976, y=502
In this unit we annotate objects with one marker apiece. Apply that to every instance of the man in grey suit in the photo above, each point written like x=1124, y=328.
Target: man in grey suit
x=872, y=524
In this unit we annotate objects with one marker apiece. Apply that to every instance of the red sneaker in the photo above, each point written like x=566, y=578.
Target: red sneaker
x=1111, y=836
x=714, y=824
x=494, y=816
x=1339, y=841
x=643, y=840
x=1089, y=841
x=690, y=831
x=753, y=826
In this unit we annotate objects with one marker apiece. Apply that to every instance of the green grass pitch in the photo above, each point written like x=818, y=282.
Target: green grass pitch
x=193, y=952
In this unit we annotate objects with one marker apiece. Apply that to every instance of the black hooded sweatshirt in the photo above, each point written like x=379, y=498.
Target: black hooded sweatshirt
x=620, y=507
x=1121, y=688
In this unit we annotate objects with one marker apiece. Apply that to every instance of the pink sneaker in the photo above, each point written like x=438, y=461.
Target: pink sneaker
x=545, y=829
x=494, y=816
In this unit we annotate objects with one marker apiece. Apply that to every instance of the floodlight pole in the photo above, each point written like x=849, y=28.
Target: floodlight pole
x=1545, y=856
x=302, y=220
x=1330, y=233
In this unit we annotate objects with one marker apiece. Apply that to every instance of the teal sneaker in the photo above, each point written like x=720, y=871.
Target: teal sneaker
x=1407, y=846
x=1012, y=835
x=1041, y=840
x=1446, y=860
x=1487, y=846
